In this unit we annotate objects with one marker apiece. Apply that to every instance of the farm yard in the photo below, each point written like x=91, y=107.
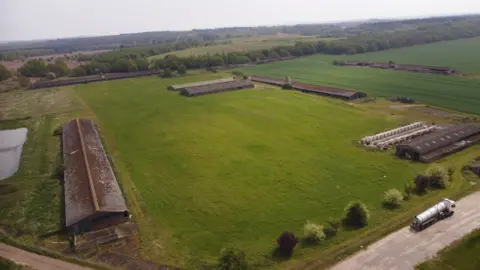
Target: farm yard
x=233, y=169
x=451, y=92
x=240, y=45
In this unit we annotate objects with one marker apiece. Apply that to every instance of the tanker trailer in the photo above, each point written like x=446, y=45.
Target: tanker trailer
x=441, y=210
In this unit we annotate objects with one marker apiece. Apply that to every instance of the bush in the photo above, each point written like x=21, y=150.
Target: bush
x=287, y=242
x=51, y=76
x=356, y=214
x=167, y=73
x=182, y=70
x=78, y=72
x=57, y=131
x=24, y=81
x=287, y=86
x=232, y=259
x=393, y=197
x=329, y=231
x=438, y=176
x=313, y=232
x=421, y=184
x=334, y=222
x=408, y=189
x=238, y=73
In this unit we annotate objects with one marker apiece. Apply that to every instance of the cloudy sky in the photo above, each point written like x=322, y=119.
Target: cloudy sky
x=38, y=19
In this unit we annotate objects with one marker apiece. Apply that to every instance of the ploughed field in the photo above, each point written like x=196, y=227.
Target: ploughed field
x=236, y=169
x=451, y=92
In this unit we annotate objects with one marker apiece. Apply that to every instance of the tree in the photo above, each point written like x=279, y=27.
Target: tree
x=232, y=259
x=4, y=73
x=78, y=72
x=142, y=64
x=273, y=55
x=287, y=242
x=167, y=73
x=33, y=68
x=313, y=232
x=356, y=214
x=421, y=184
x=392, y=198
x=438, y=175
x=56, y=69
x=182, y=70
x=51, y=76
x=215, y=61
x=124, y=65
x=63, y=65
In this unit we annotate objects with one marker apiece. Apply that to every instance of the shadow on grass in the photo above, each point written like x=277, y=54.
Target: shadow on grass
x=280, y=255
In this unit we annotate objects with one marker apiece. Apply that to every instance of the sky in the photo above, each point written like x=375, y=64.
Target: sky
x=42, y=19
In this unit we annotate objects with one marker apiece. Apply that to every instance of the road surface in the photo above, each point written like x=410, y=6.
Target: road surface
x=36, y=261
x=404, y=249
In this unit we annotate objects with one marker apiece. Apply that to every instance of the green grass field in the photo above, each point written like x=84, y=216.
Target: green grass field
x=236, y=169
x=461, y=54
x=456, y=93
x=463, y=255
x=240, y=45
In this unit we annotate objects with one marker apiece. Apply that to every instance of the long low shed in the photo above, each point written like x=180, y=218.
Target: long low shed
x=99, y=78
x=179, y=87
x=441, y=143
x=215, y=88
x=93, y=199
x=268, y=80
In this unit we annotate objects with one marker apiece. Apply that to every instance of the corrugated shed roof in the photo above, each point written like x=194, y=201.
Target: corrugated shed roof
x=442, y=138
x=90, y=184
x=183, y=86
x=218, y=87
x=325, y=90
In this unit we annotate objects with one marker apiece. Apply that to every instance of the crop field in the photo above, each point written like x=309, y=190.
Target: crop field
x=462, y=255
x=238, y=168
x=451, y=92
x=461, y=54
x=243, y=44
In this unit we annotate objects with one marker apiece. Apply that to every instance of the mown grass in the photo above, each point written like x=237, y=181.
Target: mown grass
x=240, y=45
x=456, y=93
x=236, y=169
x=462, y=255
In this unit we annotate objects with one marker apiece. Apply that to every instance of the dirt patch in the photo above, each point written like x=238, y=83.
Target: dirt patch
x=113, y=259
x=433, y=111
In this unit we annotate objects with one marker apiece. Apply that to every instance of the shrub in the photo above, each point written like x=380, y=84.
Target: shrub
x=182, y=70
x=438, y=176
x=167, y=73
x=313, y=232
x=421, y=184
x=287, y=242
x=238, y=73
x=24, y=81
x=287, y=86
x=232, y=259
x=51, y=76
x=356, y=214
x=408, y=188
x=329, y=231
x=393, y=197
x=334, y=222
x=57, y=131
x=78, y=72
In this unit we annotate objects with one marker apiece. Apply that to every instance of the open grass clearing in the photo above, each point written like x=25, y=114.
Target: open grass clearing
x=240, y=45
x=236, y=169
x=451, y=92
x=461, y=255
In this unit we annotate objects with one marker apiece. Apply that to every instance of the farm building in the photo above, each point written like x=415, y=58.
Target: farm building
x=93, y=199
x=328, y=91
x=441, y=143
x=475, y=167
x=268, y=80
x=413, y=68
x=216, y=88
x=179, y=87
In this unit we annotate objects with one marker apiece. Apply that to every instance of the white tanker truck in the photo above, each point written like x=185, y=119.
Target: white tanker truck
x=441, y=210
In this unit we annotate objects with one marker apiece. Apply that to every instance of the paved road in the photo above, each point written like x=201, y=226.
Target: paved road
x=404, y=249
x=36, y=261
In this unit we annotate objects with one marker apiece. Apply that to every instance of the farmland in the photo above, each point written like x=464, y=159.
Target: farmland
x=240, y=45
x=460, y=54
x=236, y=169
x=456, y=93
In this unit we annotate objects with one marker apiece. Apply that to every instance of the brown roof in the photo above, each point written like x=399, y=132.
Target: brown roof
x=441, y=138
x=211, y=88
x=90, y=184
x=325, y=90
x=269, y=80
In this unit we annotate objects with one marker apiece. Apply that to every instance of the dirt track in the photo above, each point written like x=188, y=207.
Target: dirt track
x=404, y=249
x=36, y=261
